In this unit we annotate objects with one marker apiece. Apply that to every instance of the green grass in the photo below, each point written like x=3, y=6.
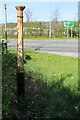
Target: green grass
x=54, y=67
x=50, y=82
x=35, y=38
x=50, y=38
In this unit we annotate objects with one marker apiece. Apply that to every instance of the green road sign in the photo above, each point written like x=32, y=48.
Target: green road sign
x=68, y=24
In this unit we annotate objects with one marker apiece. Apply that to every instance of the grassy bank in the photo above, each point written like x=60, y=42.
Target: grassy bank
x=50, y=82
x=44, y=38
x=51, y=38
x=54, y=67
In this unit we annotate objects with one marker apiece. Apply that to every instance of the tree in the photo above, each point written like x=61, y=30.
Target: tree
x=56, y=24
x=28, y=14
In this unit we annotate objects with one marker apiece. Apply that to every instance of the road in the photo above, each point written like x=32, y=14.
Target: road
x=65, y=47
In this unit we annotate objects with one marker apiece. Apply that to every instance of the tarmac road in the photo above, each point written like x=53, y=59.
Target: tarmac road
x=65, y=47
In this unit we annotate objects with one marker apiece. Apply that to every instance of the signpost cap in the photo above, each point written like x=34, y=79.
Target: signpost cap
x=21, y=8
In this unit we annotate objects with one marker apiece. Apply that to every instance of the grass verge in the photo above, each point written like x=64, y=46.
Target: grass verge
x=50, y=82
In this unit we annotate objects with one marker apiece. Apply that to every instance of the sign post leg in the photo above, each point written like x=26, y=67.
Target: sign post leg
x=67, y=32
x=71, y=32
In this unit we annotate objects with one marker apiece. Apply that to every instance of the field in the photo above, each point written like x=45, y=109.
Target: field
x=51, y=84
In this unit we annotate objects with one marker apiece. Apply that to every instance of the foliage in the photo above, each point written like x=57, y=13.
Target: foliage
x=8, y=81
x=37, y=48
x=41, y=29
x=48, y=100
x=50, y=84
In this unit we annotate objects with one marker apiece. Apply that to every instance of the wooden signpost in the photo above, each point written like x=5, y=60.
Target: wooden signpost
x=20, y=54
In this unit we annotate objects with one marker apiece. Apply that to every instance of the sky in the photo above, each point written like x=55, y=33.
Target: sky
x=41, y=11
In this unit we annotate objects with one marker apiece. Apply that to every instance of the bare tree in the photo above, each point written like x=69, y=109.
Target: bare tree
x=56, y=14
x=28, y=14
x=55, y=23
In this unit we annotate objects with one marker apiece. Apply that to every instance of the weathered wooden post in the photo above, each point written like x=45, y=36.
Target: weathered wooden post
x=20, y=54
x=5, y=26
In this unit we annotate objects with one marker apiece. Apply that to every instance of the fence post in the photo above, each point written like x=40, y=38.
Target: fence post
x=20, y=54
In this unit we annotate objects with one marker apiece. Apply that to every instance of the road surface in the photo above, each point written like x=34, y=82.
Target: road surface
x=65, y=47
